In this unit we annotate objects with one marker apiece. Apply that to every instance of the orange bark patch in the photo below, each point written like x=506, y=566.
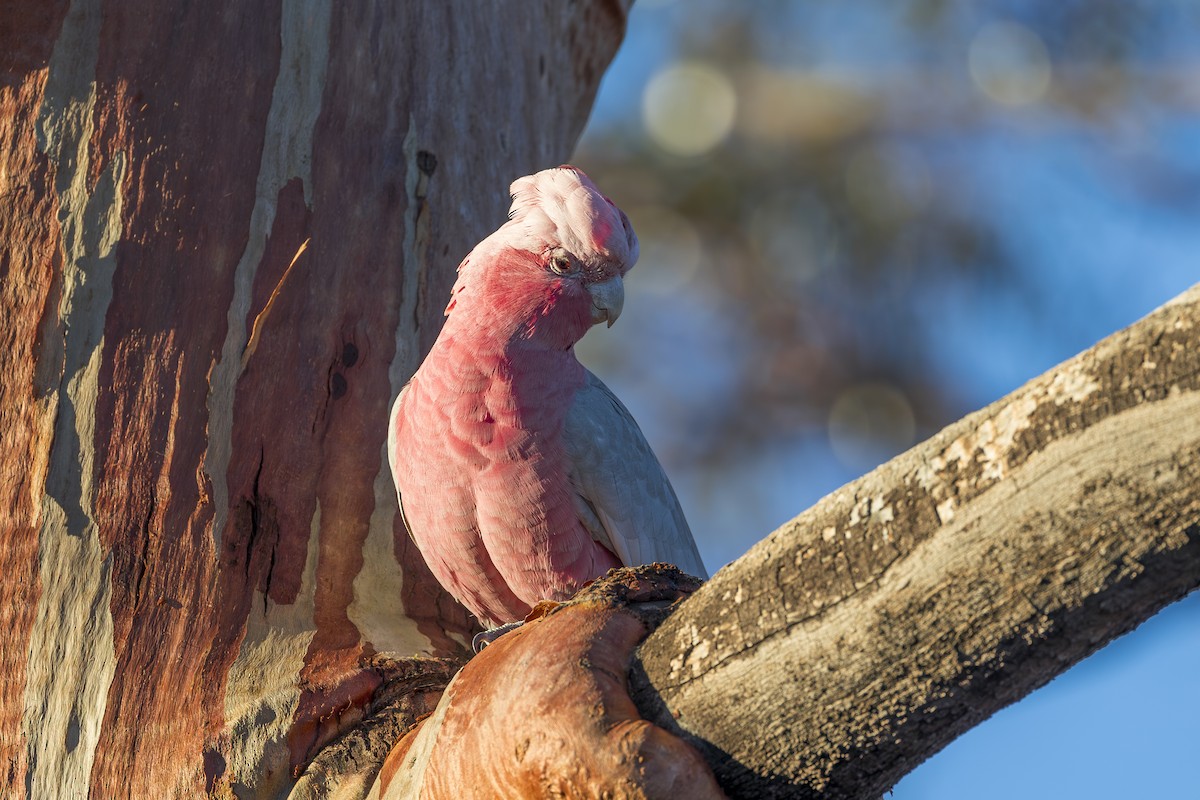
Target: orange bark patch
x=31, y=354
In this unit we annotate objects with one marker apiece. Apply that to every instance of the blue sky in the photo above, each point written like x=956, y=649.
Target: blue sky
x=1121, y=724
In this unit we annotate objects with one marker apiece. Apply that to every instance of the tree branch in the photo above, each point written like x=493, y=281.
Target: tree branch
x=866, y=634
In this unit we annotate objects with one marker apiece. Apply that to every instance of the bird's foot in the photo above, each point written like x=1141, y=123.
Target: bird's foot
x=484, y=638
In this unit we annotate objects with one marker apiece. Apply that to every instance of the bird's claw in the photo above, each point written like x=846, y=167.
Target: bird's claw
x=484, y=638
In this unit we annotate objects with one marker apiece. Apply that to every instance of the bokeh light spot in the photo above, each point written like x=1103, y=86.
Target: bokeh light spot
x=1010, y=64
x=689, y=108
x=869, y=423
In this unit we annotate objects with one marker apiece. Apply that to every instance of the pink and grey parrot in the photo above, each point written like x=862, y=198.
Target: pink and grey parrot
x=520, y=476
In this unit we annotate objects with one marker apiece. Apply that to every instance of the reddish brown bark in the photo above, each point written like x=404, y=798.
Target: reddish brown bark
x=30, y=284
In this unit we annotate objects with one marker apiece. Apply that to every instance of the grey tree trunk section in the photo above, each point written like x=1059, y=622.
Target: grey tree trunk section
x=866, y=634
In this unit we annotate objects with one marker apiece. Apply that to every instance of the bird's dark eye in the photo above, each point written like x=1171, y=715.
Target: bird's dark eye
x=560, y=264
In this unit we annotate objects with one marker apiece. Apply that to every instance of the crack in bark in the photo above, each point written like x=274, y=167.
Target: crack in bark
x=260, y=527
x=143, y=538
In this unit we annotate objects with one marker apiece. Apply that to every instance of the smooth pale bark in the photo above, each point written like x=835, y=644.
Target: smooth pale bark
x=227, y=234
x=863, y=636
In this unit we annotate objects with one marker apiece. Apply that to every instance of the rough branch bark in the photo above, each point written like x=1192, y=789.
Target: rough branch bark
x=901, y=610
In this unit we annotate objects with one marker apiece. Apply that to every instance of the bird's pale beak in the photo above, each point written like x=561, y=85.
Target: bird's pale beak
x=607, y=299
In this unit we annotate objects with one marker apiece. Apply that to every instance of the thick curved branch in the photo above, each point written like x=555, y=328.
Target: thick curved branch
x=863, y=636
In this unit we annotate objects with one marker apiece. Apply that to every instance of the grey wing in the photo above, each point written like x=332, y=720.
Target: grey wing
x=390, y=446
x=622, y=495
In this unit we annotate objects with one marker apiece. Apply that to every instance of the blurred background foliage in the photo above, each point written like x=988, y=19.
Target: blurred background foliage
x=859, y=222
x=848, y=210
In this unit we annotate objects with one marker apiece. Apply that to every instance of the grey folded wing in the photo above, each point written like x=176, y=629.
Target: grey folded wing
x=621, y=492
x=392, y=432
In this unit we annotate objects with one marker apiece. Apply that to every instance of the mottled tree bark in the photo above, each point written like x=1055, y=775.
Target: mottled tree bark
x=201, y=561
x=863, y=636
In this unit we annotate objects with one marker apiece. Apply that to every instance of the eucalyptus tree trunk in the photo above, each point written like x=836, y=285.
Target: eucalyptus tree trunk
x=226, y=237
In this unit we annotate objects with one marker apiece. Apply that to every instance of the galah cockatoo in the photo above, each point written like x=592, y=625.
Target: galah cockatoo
x=521, y=477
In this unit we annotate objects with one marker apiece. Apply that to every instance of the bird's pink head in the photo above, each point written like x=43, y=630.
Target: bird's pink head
x=556, y=267
x=562, y=208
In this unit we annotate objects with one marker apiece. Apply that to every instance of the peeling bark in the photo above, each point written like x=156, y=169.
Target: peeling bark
x=863, y=636
x=202, y=560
